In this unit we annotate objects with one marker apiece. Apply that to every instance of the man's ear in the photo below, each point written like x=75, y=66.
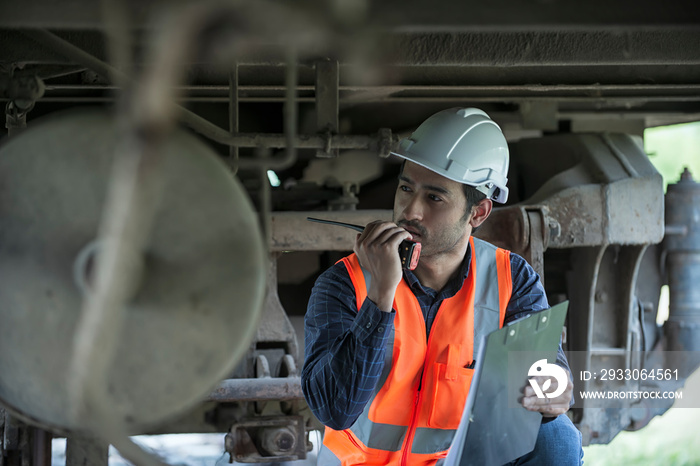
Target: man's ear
x=480, y=212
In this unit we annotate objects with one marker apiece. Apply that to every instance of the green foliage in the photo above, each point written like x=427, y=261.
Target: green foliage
x=671, y=148
x=670, y=440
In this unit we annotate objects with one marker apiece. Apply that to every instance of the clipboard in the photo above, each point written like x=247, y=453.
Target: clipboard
x=495, y=429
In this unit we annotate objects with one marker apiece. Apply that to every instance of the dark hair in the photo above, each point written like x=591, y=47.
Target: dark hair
x=473, y=197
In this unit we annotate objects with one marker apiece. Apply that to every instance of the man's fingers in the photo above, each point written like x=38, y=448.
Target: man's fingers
x=528, y=390
x=374, y=231
x=393, y=237
x=377, y=235
x=546, y=406
x=371, y=229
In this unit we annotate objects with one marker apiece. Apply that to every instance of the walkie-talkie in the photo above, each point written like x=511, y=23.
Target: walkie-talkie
x=409, y=251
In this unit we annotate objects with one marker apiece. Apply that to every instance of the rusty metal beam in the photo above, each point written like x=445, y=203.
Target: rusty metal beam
x=506, y=227
x=620, y=212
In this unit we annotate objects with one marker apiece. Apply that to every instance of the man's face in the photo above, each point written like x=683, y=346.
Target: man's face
x=432, y=208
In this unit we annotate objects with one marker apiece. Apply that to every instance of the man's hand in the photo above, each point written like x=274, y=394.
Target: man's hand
x=549, y=407
x=377, y=247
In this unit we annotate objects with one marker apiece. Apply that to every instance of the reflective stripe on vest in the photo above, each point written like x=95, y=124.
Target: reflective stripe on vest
x=398, y=412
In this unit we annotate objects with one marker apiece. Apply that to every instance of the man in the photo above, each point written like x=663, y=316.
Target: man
x=389, y=352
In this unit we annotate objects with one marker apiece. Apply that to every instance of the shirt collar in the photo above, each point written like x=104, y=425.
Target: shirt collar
x=452, y=287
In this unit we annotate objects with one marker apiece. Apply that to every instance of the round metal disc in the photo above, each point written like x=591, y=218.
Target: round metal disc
x=198, y=302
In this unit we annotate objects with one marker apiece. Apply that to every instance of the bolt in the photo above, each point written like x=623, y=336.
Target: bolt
x=686, y=175
x=278, y=441
x=601, y=296
x=554, y=229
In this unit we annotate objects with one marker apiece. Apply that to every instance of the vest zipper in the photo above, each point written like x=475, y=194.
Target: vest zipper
x=412, y=427
x=352, y=440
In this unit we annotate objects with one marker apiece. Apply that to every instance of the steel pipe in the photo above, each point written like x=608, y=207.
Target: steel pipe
x=262, y=389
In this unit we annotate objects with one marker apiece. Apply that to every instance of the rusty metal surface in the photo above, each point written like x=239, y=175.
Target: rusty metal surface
x=539, y=236
x=524, y=230
x=506, y=227
x=600, y=189
x=603, y=327
x=261, y=389
x=624, y=212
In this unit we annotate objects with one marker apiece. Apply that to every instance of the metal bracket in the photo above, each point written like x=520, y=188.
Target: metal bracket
x=386, y=142
x=267, y=439
x=539, y=232
x=16, y=117
x=327, y=103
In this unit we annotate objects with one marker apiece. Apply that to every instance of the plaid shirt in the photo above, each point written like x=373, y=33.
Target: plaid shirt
x=345, y=348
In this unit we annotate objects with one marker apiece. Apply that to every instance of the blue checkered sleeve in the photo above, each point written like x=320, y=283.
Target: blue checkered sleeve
x=345, y=349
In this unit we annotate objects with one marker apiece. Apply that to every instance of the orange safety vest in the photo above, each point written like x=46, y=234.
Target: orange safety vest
x=418, y=402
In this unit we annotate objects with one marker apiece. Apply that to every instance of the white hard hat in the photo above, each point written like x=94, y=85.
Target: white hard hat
x=464, y=145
